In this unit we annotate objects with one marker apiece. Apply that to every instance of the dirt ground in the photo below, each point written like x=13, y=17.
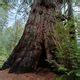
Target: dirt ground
x=4, y=75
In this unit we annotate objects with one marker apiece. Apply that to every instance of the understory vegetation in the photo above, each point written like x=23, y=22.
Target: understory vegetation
x=9, y=37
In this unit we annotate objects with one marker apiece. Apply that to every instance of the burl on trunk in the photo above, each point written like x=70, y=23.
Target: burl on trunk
x=37, y=42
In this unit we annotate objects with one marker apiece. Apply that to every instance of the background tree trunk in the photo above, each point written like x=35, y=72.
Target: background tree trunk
x=71, y=20
x=36, y=43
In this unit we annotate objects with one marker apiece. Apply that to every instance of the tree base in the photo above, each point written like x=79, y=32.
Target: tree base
x=37, y=42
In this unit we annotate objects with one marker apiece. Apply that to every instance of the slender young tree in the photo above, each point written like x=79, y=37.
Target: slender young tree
x=71, y=20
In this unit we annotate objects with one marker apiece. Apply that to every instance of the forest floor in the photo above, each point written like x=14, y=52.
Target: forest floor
x=41, y=75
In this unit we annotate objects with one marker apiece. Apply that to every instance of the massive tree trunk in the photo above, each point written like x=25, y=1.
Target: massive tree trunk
x=38, y=41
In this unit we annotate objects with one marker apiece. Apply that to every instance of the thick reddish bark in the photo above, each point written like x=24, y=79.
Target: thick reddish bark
x=37, y=42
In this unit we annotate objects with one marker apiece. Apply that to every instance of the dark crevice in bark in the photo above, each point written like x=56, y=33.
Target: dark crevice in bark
x=43, y=56
x=34, y=10
x=41, y=12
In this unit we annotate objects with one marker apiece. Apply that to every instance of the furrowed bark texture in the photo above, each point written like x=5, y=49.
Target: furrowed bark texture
x=37, y=42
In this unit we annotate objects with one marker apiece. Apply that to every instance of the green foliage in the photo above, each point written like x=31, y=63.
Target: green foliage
x=67, y=56
x=60, y=78
x=9, y=37
x=71, y=75
x=62, y=69
x=4, y=4
x=67, y=48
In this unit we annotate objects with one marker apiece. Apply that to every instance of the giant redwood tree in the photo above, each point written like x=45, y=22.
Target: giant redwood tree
x=38, y=41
